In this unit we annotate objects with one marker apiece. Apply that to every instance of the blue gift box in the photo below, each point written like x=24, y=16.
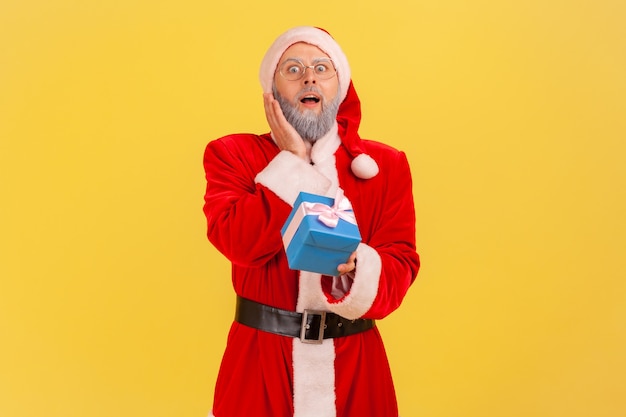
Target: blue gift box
x=313, y=246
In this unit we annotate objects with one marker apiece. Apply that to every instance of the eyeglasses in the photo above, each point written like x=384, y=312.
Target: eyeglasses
x=294, y=69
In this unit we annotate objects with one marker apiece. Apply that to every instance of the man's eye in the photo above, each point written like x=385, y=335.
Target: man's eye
x=321, y=68
x=294, y=69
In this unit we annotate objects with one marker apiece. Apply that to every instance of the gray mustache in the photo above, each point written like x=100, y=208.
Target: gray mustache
x=307, y=90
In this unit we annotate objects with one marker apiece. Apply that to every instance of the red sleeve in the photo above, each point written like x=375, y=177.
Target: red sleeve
x=243, y=218
x=394, y=240
x=387, y=261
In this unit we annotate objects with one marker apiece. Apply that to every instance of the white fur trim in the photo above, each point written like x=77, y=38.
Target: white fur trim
x=310, y=293
x=364, y=287
x=326, y=146
x=313, y=365
x=311, y=36
x=363, y=166
x=323, y=156
x=314, y=379
x=286, y=175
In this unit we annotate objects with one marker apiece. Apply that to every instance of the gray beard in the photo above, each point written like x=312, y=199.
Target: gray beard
x=309, y=125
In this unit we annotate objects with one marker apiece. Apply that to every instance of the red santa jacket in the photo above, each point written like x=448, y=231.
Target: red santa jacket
x=251, y=186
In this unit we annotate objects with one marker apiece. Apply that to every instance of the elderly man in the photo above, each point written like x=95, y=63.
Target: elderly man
x=275, y=365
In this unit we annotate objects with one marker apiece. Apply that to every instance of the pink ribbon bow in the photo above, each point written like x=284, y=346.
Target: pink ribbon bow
x=341, y=209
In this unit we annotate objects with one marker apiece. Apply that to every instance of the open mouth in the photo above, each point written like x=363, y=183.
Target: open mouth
x=310, y=99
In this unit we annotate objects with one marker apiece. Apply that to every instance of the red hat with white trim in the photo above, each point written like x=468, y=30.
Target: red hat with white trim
x=349, y=113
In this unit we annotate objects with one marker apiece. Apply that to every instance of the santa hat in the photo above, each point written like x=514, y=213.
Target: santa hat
x=349, y=114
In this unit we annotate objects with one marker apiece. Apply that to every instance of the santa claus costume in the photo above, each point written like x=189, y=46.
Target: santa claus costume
x=251, y=188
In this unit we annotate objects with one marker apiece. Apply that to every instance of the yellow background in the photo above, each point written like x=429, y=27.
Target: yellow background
x=512, y=113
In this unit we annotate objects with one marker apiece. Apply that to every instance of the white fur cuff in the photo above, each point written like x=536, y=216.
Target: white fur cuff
x=365, y=286
x=286, y=175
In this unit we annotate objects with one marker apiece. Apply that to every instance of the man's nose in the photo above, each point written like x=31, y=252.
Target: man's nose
x=309, y=76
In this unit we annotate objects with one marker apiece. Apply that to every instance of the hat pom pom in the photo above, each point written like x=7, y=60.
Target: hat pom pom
x=363, y=166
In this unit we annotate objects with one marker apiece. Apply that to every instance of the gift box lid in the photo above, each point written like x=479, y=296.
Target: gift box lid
x=309, y=230
x=302, y=197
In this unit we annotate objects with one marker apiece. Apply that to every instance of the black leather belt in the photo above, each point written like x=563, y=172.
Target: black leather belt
x=310, y=327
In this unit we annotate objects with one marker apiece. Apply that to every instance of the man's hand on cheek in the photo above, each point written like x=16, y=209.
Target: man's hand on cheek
x=285, y=135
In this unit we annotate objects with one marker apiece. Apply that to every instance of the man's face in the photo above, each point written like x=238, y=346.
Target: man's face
x=309, y=94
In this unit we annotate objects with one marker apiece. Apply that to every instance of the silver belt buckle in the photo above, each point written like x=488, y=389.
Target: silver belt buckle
x=303, y=327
